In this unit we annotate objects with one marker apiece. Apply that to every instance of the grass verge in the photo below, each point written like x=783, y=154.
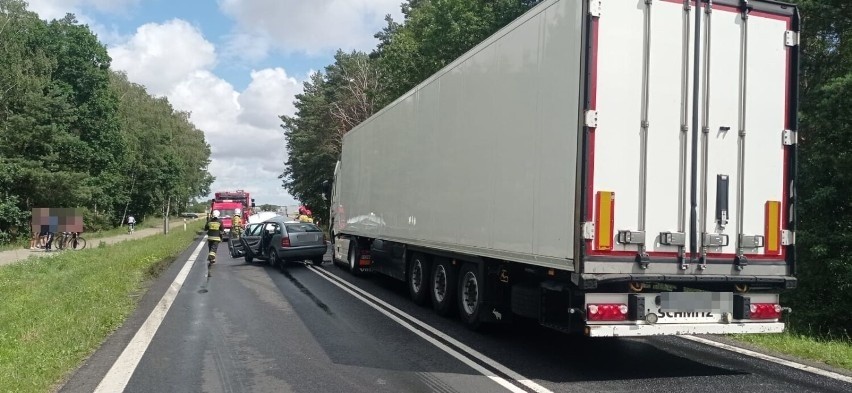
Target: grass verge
x=54, y=312
x=836, y=353
x=122, y=230
x=153, y=222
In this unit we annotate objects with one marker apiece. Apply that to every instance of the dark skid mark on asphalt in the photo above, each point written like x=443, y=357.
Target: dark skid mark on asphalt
x=206, y=282
x=308, y=293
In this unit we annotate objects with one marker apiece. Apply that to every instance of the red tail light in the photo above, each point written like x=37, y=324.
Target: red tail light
x=606, y=312
x=366, y=258
x=765, y=311
x=285, y=241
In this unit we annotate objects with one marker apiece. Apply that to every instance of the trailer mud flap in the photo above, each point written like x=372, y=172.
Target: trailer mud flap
x=556, y=308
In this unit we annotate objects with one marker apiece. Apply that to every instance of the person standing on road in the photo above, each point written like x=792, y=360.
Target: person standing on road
x=305, y=215
x=214, y=236
x=237, y=224
x=131, y=223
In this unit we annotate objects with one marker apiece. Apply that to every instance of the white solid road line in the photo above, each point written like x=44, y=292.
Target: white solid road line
x=119, y=374
x=464, y=359
x=470, y=351
x=797, y=366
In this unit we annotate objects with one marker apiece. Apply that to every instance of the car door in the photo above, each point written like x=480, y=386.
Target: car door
x=251, y=237
x=268, y=233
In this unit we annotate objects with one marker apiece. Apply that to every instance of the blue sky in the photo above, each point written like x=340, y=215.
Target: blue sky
x=235, y=65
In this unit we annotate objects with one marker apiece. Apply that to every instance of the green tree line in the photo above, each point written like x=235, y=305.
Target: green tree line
x=435, y=32
x=76, y=134
x=822, y=302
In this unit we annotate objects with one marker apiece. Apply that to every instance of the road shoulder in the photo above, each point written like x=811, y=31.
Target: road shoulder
x=87, y=376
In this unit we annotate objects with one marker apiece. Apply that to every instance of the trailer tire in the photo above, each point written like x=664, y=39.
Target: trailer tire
x=417, y=279
x=354, y=258
x=442, y=287
x=470, y=295
x=334, y=260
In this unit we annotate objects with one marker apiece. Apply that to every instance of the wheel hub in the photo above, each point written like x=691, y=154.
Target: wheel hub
x=417, y=276
x=440, y=285
x=471, y=293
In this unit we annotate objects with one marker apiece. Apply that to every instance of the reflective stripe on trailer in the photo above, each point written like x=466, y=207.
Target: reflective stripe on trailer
x=681, y=329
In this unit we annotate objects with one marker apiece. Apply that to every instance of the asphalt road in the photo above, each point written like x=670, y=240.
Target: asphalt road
x=252, y=328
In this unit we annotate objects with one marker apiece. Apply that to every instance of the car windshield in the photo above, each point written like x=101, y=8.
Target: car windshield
x=301, y=227
x=226, y=213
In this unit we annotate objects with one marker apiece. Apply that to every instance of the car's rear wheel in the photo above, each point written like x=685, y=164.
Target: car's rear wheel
x=317, y=261
x=443, y=287
x=272, y=257
x=418, y=278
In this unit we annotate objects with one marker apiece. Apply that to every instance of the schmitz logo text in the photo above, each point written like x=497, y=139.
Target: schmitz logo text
x=680, y=314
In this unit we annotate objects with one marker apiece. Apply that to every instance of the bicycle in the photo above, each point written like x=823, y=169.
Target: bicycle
x=131, y=228
x=72, y=240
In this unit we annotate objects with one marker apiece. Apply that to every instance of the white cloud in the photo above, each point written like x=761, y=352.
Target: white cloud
x=161, y=55
x=174, y=59
x=56, y=9
x=211, y=99
x=243, y=48
x=271, y=91
x=310, y=27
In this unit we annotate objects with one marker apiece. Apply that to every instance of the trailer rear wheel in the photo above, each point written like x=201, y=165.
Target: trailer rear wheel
x=418, y=278
x=443, y=287
x=354, y=258
x=470, y=295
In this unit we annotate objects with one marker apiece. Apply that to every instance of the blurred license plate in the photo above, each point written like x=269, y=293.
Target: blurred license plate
x=693, y=307
x=696, y=301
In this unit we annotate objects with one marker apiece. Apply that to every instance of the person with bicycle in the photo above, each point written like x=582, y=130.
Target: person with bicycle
x=46, y=237
x=131, y=223
x=214, y=236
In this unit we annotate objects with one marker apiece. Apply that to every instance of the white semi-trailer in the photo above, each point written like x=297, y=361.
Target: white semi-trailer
x=607, y=167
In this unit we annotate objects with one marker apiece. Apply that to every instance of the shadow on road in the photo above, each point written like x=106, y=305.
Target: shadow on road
x=350, y=338
x=540, y=353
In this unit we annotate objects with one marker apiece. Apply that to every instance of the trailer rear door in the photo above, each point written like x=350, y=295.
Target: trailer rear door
x=639, y=161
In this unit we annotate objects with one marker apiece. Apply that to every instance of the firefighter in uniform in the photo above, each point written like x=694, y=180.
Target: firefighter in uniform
x=214, y=236
x=237, y=224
